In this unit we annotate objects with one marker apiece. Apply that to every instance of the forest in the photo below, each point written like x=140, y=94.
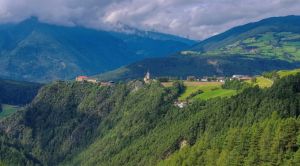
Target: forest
x=70, y=123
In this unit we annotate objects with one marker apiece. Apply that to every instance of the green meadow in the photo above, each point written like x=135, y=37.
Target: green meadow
x=209, y=90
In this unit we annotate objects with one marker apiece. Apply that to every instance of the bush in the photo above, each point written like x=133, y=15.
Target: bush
x=195, y=94
x=163, y=79
x=235, y=84
x=273, y=75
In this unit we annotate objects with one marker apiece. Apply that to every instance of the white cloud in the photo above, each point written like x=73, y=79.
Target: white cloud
x=195, y=18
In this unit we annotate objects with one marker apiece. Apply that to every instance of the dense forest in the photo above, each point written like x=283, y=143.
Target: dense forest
x=71, y=123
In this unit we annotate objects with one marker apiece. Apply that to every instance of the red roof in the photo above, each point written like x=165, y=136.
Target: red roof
x=83, y=77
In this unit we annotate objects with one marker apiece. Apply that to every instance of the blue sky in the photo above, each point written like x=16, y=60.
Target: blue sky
x=197, y=19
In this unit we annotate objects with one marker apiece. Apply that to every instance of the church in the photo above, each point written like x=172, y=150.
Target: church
x=147, y=78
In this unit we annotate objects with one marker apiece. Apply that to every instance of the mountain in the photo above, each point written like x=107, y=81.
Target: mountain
x=41, y=52
x=71, y=123
x=269, y=44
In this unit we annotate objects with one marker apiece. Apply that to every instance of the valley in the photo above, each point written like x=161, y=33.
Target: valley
x=250, y=49
x=35, y=51
x=75, y=96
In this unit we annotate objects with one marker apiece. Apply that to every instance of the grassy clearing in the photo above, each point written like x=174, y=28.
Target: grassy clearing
x=262, y=82
x=283, y=73
x=8, y=110
x=216, y=93
x=210, y=90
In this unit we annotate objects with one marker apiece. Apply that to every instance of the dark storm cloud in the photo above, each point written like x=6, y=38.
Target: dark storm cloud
x=197, y=19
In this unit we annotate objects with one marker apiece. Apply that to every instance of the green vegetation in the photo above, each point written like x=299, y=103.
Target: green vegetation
x=205, y=91
x=272, y=75
x=216, y=93
x=85, y=124
x=283, y=73
x=11, y=154
x=269, y=44
x=262, y=82
x=235, y=85
x=7, y=110
x=273, y=141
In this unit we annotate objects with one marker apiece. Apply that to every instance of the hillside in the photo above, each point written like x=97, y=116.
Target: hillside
x=270, y=44
x=41, y=52
x=135, y=124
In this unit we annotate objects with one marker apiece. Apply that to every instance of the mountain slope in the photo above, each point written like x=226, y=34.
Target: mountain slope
x=272, y=43
x=136, y=124
x=35, y=51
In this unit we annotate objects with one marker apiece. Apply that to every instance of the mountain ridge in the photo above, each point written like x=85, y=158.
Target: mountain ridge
x=40, y=52
x=272, y=42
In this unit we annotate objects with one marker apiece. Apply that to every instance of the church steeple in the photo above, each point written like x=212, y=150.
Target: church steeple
x=147, y=77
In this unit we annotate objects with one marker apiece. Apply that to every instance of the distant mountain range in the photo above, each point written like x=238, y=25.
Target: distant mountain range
x=36, y=51
x=269, y=44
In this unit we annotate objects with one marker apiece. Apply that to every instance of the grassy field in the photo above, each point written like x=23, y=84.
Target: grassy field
x=283, y=73
x=210, y=90
x=262, y=82
x=8, y=110
x=216, y=93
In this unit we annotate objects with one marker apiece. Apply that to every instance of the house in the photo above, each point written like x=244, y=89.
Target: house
x=237, y=76
x=191, y=78
x=85, y=79
x=147, y=78
x=204, y=79
x=181, y=104
x=221, y=79
x=81, y=78
x=91, y=80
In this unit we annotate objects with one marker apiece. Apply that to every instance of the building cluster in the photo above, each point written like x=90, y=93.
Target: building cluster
x=93, y=80
x=218, y=79
x=241, y=77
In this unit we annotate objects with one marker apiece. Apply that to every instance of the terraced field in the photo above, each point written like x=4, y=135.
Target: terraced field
x=283, y=45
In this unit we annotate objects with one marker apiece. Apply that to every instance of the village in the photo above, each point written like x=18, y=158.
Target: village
x=193, y=85
x=148, y=79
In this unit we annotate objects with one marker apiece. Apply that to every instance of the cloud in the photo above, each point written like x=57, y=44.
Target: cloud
x=197, y=19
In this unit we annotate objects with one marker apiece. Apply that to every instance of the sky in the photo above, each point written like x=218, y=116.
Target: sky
x=195, y=19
